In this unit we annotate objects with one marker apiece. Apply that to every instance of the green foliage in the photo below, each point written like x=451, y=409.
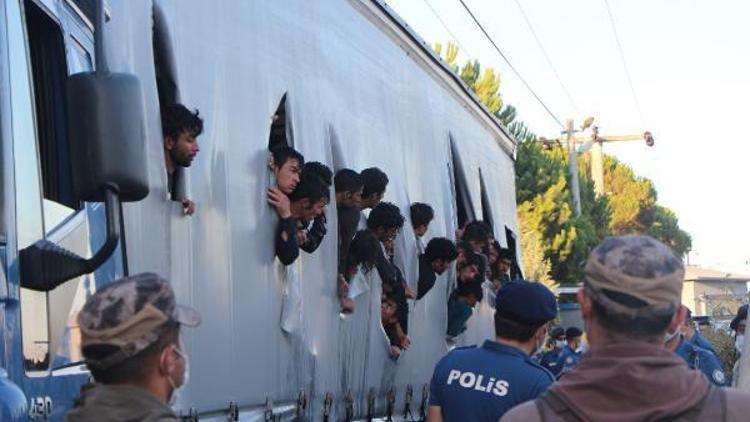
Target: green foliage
x=555, y=243
x=635, y=210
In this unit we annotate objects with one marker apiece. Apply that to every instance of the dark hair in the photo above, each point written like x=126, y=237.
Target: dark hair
x=462, y=244
x=421, y=214
x=347, y=180
x=389, y=297
x=477, y=231
x=363, y=250
x=176, y=118
x=282, y=153
x=385, y=215
x=650, y=328
x=512, y=330
x=318, y=169
x=505, y=253
x=373, y=181
x=310, y=187
x=471, y=288
x=473, y=258
x=440, y=248
x=135, y=368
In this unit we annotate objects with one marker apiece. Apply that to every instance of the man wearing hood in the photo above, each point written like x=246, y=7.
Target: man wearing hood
x=630, y=300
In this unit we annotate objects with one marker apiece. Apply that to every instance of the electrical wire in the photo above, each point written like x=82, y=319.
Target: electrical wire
x=507, y=61
x=447, y=29
x=624, y=63
x=547, y=58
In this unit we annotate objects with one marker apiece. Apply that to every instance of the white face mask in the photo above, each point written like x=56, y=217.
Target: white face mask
x=560, y=344
x=176, y=389
x=739, y=343
x=670, y=336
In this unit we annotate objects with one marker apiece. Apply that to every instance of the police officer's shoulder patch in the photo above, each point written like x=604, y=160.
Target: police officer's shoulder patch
x=718, y=376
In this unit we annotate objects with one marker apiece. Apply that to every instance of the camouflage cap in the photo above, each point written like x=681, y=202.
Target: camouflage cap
x=130, y=314
x=635, y=276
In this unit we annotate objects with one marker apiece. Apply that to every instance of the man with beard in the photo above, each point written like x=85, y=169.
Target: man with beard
x=180, y=130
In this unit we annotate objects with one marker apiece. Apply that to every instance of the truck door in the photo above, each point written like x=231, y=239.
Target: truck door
x=44, y=47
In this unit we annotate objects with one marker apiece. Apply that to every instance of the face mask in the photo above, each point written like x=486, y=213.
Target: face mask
x=559, y=344
x=670, y=336
x=176, y=389
x=739, y=343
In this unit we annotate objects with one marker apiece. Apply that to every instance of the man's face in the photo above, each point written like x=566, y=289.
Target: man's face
x=574, y=342
x=287, y=176
x=461, y=259
x=504, y=265
x=440, y=266
x=477, y=245
x=310, y=212
x=387, y=310
x=420, y=230
x=386, y=234
x=183, y=150
x=468, y=272
x=372, y=201
x=352, y=199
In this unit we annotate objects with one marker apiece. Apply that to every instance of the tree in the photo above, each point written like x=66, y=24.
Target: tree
x=555, y=242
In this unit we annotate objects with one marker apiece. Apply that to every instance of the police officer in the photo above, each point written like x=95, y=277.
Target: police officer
x=692, y=335
x=482, y=383
x=571, y=355
x=697, y=358
x=551, y=357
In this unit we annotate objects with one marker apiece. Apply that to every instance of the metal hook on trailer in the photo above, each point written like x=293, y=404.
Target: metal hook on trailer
x=268, y=415
x=370, y=404
x=407, y=402
x=327, y=404
x=299, y=410
x=391, y=404
x=423, y=406
x=233, y=414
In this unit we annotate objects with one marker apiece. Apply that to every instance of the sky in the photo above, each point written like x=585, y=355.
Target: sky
x=689, y=62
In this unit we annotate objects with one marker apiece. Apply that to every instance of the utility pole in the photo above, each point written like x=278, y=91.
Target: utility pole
x=595, y=144
x=573, y=164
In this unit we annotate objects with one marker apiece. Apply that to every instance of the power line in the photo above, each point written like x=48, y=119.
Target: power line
x=624, y=62
x=447, y=29
x=518, y=74
x=546, y=57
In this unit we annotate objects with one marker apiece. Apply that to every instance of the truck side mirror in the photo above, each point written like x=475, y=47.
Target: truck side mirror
x=108, y=157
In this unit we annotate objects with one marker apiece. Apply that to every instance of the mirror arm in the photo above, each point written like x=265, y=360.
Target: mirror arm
x=45, y=265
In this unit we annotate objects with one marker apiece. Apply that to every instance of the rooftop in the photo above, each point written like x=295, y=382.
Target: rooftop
x=695, y=273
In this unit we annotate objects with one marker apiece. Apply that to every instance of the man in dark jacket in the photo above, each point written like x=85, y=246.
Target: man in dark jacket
x=630, y=301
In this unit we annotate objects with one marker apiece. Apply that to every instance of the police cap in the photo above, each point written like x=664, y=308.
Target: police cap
x=573, y=332
x=528, y=303
x=557, y=333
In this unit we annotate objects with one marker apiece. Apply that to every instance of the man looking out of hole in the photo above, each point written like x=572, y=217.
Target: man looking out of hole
x=180, y=131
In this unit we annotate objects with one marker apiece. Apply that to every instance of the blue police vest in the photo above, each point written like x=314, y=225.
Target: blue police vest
x=702, y=360
x=568, y=360
x=702, y=342
x=551, y=361
x=482, y=383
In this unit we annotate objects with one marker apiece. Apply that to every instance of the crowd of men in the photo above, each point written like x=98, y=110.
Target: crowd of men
x=645, y=359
